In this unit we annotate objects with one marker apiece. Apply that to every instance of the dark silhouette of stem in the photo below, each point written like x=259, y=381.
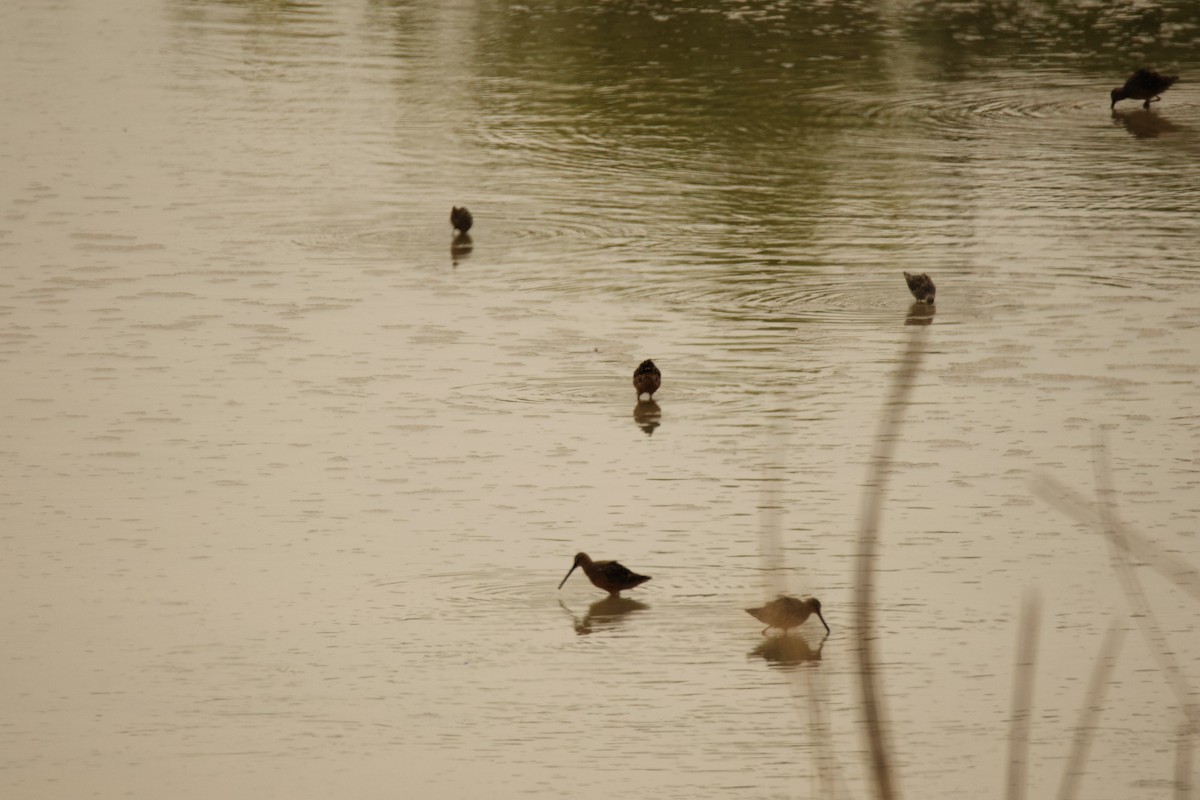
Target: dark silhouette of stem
x=1022, y=699
x=1093, y=700
x=868, y=540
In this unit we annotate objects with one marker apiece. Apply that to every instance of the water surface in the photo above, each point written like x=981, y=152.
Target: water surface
x=289, y=480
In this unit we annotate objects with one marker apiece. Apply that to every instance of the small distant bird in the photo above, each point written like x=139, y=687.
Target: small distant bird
x=607, y=575
x=786, y=612
x=461, y=219
x=1145, y=84
x=646, y=379
x=921, y=287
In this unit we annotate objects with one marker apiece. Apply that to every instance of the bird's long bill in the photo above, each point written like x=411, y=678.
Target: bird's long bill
x=823, y=622
x=572, y=569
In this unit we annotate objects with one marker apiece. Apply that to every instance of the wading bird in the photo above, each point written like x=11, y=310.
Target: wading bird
x=646, y=379
x=607, y=575
x=921, y=287
x=1145, y=84
x=461, y=219
x=786, y=613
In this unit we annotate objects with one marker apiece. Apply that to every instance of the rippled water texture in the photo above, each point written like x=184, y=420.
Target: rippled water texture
x=289, y=477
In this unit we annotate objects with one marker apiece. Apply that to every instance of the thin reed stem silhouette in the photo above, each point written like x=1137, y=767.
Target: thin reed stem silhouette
x=868, y=539
x=1124, y=543
x=1148, y=624
x=1093, y=700
x=1145, y=551
x=807, y=685
x=1185, y=745
x=1022, y=697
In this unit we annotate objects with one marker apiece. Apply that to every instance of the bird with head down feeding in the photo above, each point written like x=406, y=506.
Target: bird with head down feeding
x=1145, y=84
x=610, y=576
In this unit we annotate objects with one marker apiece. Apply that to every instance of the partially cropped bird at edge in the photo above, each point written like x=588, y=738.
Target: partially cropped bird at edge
x=786, y=612
x=610, y=576
x=461, y=219
x=921, y=287
x=646, y=379
x=1145, y=84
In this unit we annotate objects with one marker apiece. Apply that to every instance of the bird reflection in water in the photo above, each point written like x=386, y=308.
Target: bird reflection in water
x=920, y=313
x=647, y=415
x=606, y=613
x=460, y=248
x=788, y=650
x=1144, y=124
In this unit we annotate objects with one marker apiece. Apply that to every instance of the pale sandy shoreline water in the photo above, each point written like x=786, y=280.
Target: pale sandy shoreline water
x=288, y=486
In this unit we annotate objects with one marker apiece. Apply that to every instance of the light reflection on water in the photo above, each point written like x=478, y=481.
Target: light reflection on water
x=290, y=476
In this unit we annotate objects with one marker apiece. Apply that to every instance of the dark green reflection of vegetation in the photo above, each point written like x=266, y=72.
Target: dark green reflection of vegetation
x=1116, y=34
x=695, y=66
x=735, y=101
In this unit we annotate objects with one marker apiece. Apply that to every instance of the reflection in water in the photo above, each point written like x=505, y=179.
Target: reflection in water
x=670, y=177
x=647, y=415
x=461, y=247
x=606, y=613
x=920, y=314
x=788, y=650
x=1144, y=124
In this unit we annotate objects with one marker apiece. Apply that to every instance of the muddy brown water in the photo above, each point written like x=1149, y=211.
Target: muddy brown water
x=289, y=479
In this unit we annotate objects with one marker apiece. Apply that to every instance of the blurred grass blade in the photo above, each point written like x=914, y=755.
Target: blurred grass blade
x=1119, y=538
x=1074, y=504
x=873, y=498
x=1185, y=748
x=1093, y=701
x=1022, y=699
x=1124, y=543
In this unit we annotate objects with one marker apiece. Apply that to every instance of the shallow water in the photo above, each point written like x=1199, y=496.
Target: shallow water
x=289, y=480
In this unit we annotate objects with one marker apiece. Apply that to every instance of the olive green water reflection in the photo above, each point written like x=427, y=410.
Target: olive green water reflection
x=290, y=475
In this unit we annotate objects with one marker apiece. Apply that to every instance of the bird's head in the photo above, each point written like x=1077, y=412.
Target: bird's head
x=815, y=604
x=580, y=558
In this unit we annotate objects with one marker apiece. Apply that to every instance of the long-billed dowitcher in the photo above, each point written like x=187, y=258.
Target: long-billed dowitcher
x=1145, y=84
x=461, y=219
x=786, y=612
x=607, y=575
x=646, y=379
x=921, y=287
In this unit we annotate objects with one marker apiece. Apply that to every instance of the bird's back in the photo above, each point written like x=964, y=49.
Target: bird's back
x=762, y=614
x=921, y=286
x=619, y=573
x=1147, y=82
x=647, y=378
x=461, y=219
x=613, y=577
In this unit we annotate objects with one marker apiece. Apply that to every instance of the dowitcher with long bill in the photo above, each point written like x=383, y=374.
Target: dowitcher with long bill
x=786, y=612
x=610, y=576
